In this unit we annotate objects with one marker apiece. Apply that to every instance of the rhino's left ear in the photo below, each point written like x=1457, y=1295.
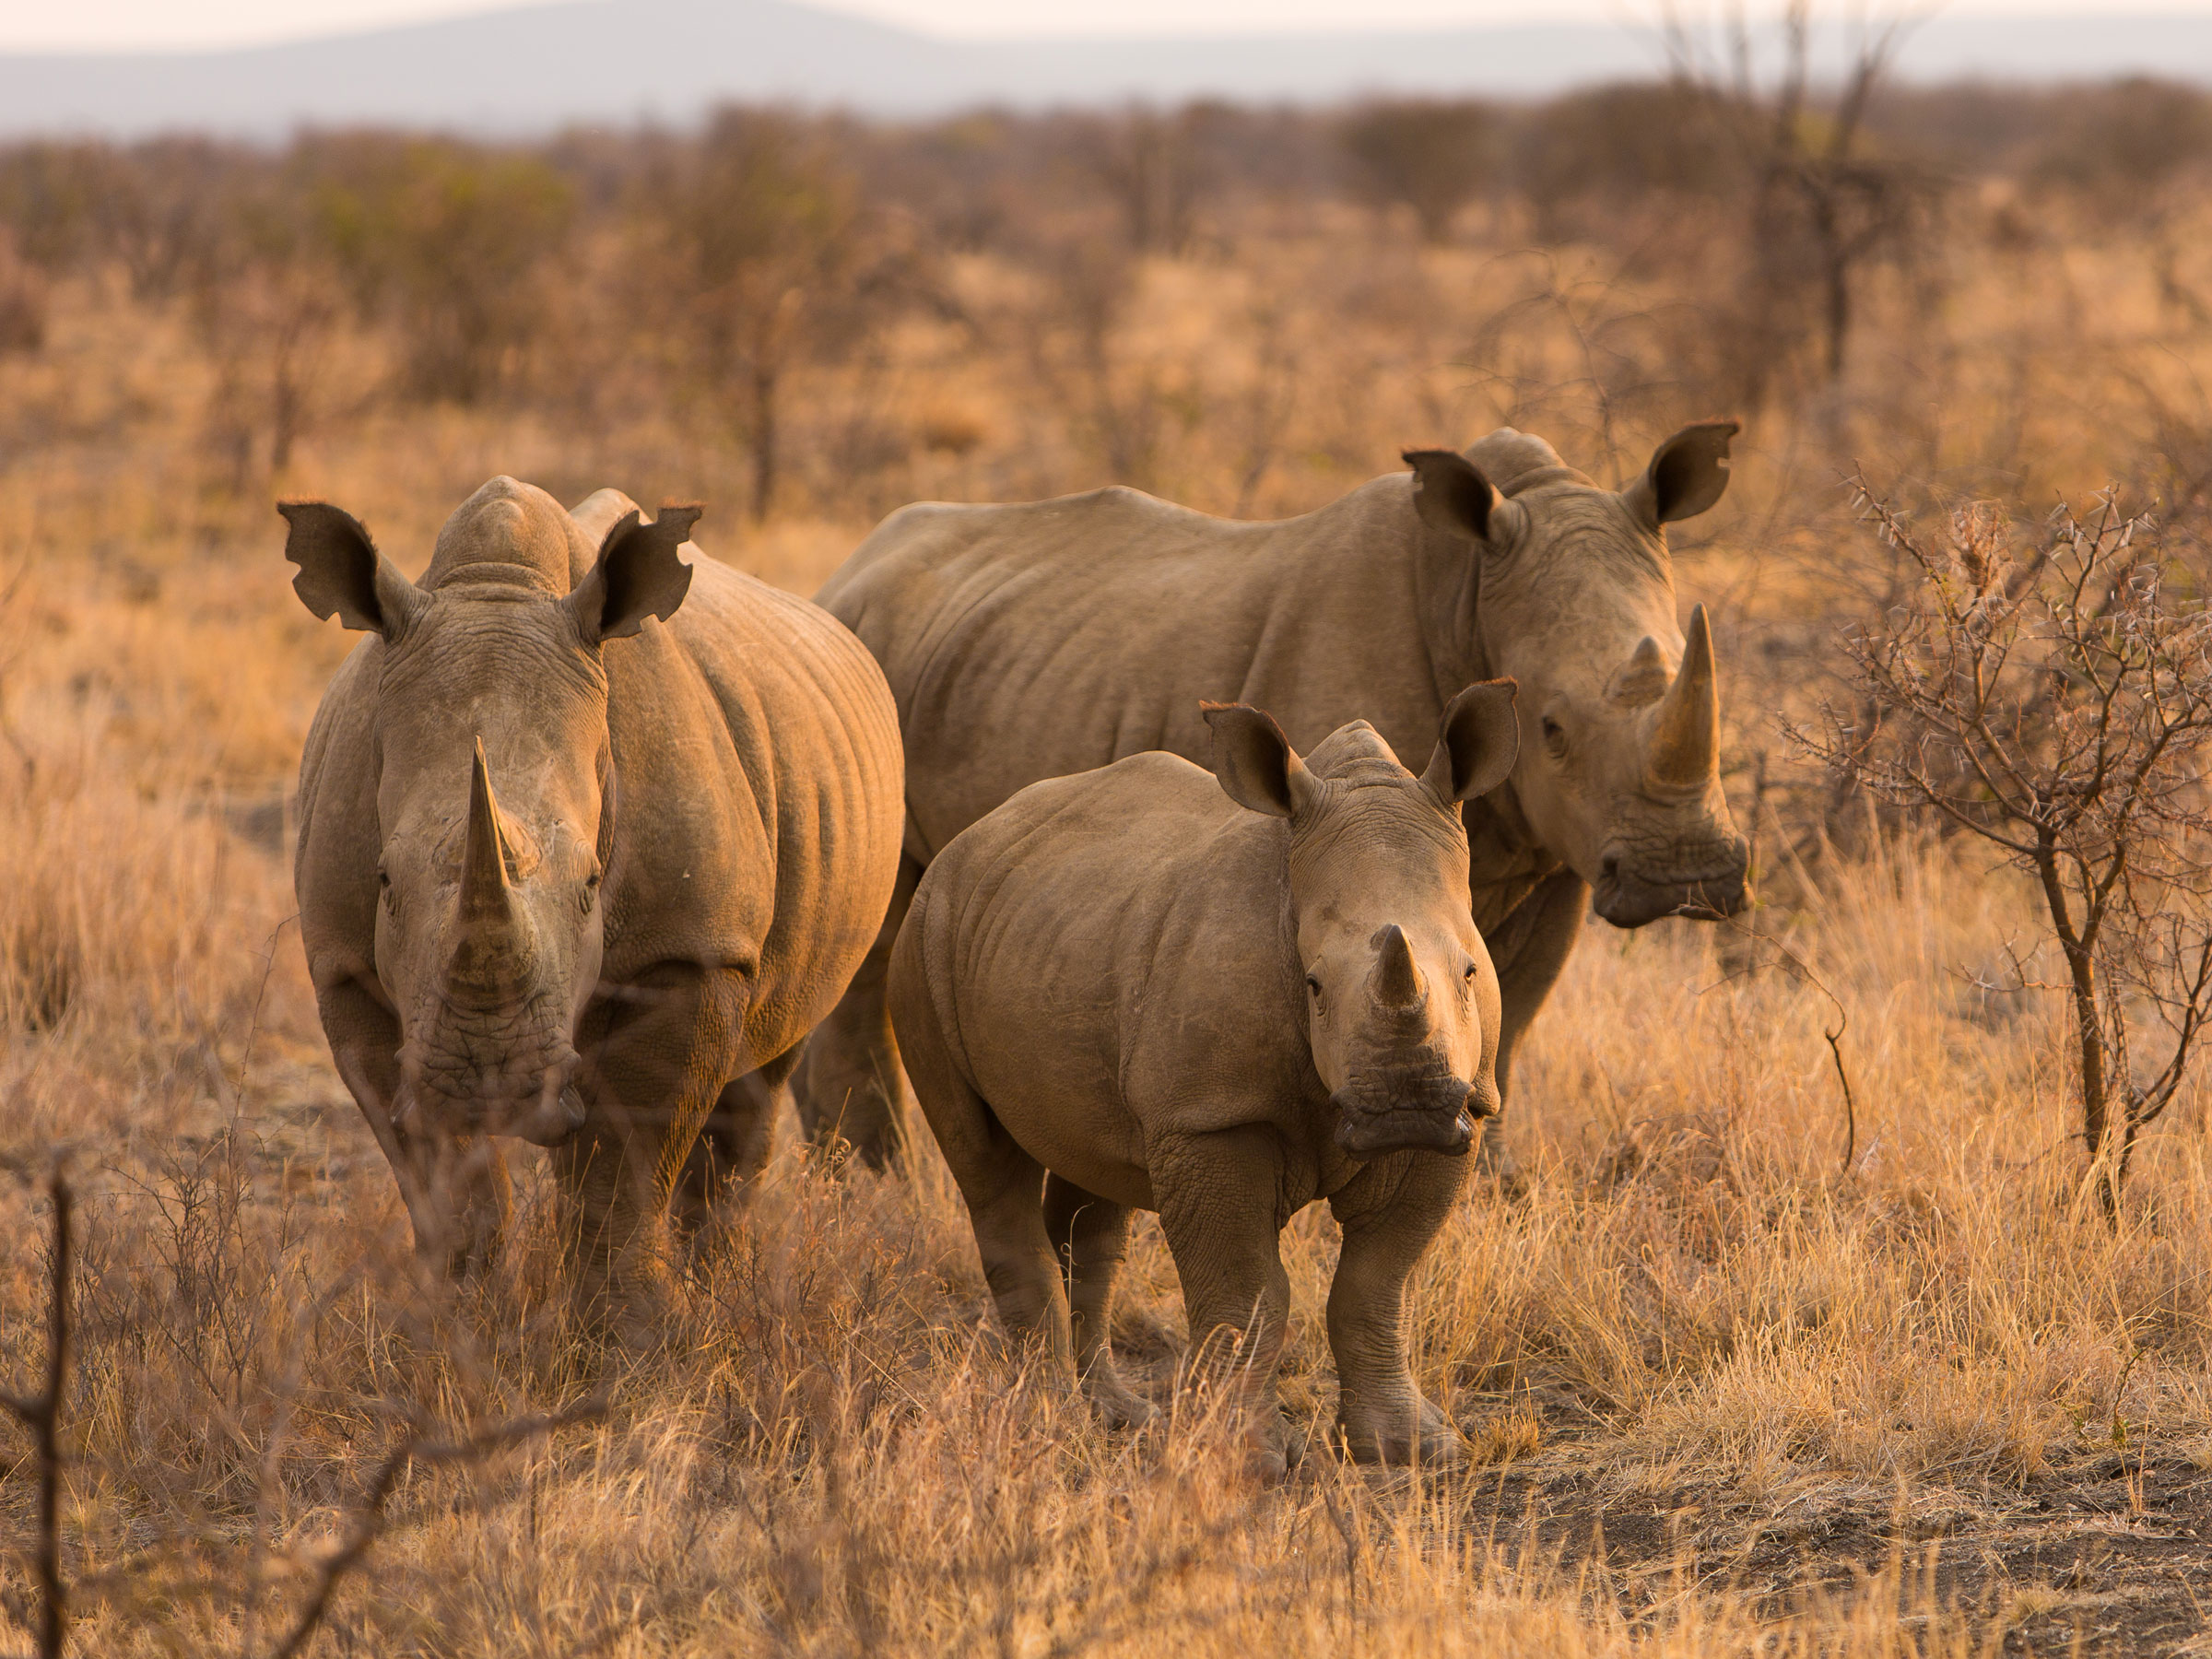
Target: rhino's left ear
x=1451, y=494
x=1688, y=473
x=1480, y=741
x=636, y=575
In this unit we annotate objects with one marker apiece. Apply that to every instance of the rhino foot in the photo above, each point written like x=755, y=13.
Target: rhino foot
x=1424, y=1435
x=1275, y=1449
x=1117, y=1406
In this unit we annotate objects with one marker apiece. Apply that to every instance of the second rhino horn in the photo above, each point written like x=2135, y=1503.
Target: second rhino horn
x=1685, y=734
x=1397, y=978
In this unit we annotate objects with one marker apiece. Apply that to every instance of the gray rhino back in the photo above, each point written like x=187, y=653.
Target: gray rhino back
x=1114, y=942
x=757, y=750
x=1024, y=642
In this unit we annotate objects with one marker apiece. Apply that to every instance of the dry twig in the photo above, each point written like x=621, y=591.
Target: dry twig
x=42, y=1413
x=369, y=1518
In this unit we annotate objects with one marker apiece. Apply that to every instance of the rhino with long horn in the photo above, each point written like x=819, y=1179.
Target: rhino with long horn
x=593, y=831
x=1030, y=641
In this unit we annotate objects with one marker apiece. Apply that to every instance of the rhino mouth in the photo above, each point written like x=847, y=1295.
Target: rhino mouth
x=1434, y=1115
x=1627, y=899
x=538, y=1105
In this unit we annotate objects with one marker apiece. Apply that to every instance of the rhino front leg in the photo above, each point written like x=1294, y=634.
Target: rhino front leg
x=1529, y=949
x=653, y=1072
x=455, y=1188
x=1090, y=1235
x=459, y=1199
x=850, y=1086
x=1389, y=1213
x=1220, y=1195
x=734, y=1146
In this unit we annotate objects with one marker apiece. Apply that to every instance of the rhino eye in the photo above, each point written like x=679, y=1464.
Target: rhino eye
x=1470, y=973
x=1554, y=739
x=1313, y=983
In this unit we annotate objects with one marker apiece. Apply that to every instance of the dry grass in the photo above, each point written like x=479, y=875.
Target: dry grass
x=1723, y=1394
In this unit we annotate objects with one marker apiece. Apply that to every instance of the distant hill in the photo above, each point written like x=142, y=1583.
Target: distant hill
x=617, y=61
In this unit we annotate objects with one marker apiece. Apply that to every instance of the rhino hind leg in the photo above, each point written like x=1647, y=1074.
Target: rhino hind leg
x=850, y=1088
x=998, y=1180
x=1090, y=1235
x=734, y=1146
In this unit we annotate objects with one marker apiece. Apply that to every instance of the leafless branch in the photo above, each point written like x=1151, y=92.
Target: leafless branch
x=369, y=1516
x=2059, y=708
x=42, y=1413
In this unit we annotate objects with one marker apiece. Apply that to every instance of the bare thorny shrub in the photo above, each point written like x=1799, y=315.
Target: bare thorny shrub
x=2056, y=703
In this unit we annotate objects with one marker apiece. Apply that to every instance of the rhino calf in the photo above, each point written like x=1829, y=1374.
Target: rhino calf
x=591, y=836
x=1220, y=998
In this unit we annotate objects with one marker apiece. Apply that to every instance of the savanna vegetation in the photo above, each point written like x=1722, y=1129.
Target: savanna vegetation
x=1821, y=1317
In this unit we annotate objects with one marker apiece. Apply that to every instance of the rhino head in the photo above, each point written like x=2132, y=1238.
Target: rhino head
x=1620, y=768
x=1402, y=1002
x=495, y=788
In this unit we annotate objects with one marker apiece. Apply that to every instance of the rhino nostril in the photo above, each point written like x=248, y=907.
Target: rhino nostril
x=1608, y=867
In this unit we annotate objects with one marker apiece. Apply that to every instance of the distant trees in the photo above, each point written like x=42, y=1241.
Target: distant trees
x=451, y=243
x=1825, y=203
x=265, y=295
x=1148, y=163
x=767, y=251
x=1432, y=156
x=1754, y=221
x=1609, y=155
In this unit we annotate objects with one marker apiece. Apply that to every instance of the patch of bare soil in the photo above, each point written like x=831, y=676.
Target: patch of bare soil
x=2111, y=1555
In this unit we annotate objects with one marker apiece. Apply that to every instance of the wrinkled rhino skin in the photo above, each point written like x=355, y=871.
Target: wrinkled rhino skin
x=1030, y=641
x=1222, y=997
x=570, y=872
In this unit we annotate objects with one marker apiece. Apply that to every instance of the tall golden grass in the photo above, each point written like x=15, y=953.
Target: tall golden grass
x=1725, y=1389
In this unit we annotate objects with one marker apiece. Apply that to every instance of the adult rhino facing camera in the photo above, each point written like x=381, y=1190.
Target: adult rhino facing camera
x=592, y=835
x=1030, y=641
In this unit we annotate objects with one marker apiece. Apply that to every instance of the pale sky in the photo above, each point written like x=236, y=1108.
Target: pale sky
x=137, y=24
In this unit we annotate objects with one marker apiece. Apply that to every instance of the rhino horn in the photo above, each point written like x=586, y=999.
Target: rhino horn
x=1397, y=977
x=1643, y=678
x=493, y=961
x=486, y=893
x=1686, y=735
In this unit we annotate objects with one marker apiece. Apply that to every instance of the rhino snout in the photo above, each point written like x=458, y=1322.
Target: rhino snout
x=1629, y=895
x=1436, y=1115
x=463, y=1093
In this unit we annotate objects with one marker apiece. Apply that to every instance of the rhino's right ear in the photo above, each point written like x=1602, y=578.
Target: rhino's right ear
x=342, y=574
x=638, y=574
x=1451, y=495
x=1479, y=743
x=1688, y=474
x=1255, y=762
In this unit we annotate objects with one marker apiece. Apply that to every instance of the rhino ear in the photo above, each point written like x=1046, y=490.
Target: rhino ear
x=342, y=574
x=1255, y=762
x=638, y=574
x=1688, y=473
x=1451, y=495
x=1479, y=743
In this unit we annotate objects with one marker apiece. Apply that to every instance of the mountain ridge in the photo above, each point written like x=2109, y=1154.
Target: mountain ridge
x=529, y=70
